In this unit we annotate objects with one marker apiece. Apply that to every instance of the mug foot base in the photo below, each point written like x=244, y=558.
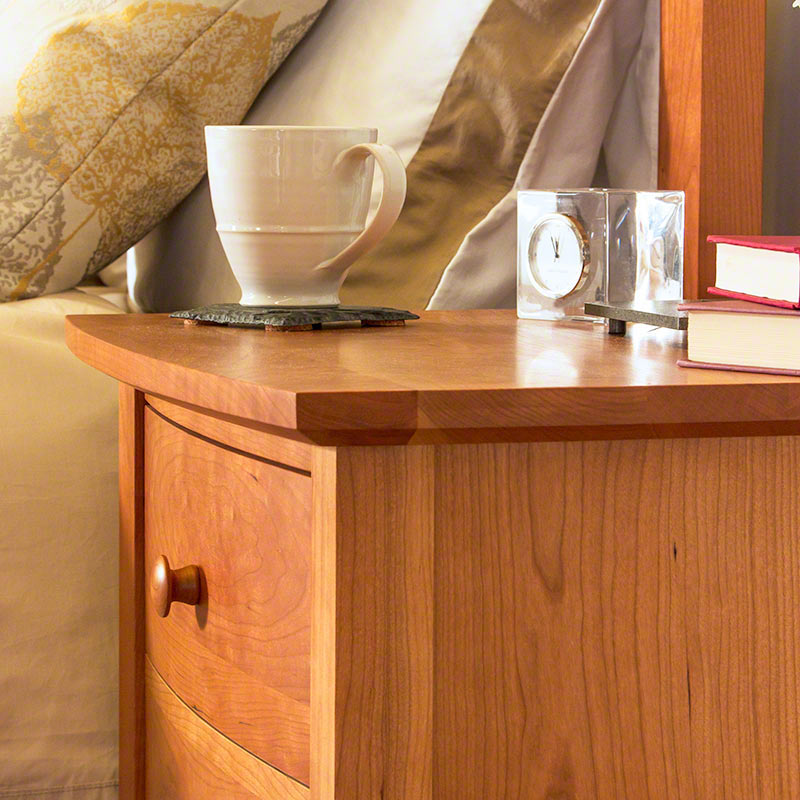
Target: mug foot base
x=293, y=318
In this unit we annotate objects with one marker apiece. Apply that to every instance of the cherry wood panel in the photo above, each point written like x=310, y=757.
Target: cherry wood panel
x=372, y=679
x=324, y=585
x=711, y=122
x=451, y=376
x=235, y=435
x=188, y=760
x=598, y=619
x=617, y=620
x=241, y=658
x=131, y=594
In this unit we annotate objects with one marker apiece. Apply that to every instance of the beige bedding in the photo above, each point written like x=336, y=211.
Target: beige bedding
x=58, y=558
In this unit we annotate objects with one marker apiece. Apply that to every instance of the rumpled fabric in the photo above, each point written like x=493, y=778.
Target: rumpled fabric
x=58, y=558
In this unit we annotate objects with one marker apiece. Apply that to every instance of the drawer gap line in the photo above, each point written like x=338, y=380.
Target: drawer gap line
x=228, y=447
x=217, y=730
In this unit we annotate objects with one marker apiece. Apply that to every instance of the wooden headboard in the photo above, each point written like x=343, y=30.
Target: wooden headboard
x=711, y=121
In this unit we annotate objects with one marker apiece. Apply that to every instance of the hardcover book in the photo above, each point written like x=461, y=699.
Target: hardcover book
x=742, y=336
x=760, y=269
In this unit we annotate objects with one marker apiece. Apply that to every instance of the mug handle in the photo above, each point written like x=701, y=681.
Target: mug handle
x=392, y=198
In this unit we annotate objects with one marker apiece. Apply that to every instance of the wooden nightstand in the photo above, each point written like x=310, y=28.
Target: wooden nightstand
x=475, y=557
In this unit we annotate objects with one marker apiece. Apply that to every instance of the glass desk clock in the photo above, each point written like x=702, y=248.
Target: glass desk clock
x=580, y=246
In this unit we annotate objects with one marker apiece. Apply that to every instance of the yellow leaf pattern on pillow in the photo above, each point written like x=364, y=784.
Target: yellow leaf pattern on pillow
x=109, y=59
x=108, y=132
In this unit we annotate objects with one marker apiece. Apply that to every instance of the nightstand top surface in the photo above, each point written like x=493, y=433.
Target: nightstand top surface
x=452, y=375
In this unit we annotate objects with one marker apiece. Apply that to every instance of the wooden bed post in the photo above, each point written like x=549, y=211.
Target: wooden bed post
x=711, y=121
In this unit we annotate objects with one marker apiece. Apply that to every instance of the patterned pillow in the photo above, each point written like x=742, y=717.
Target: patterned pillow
x=102, y=108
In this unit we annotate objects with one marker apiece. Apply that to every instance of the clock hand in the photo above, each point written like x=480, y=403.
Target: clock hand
x=555, y=245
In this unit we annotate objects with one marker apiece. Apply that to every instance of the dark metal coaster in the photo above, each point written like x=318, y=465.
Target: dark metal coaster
x=660, y=313
x=280, y=318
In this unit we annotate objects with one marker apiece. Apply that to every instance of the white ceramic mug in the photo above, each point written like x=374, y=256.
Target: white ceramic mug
x=291, y=206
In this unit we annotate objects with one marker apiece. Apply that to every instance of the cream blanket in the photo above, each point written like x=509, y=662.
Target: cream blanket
x=58, y=558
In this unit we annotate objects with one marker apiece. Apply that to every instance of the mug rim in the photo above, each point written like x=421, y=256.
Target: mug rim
x=337, y=128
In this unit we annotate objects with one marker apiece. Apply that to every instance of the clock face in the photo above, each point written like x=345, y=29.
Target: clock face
x=558, y=255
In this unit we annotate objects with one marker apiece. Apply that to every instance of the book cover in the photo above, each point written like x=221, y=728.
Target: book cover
x=738, y=306
x=742, y=336
x=684, y=362
x=752, y=298
x=783, y=244
x=758, y=269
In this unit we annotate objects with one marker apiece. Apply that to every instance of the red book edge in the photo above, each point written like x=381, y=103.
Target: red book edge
x=751, y=298
x=795, y=373
x=737, y=307
x=784, y=244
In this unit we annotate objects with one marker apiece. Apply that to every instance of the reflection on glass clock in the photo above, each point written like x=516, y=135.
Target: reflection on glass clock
x=558, y=255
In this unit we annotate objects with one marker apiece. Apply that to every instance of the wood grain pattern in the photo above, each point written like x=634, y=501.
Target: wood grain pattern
x=188, y=760
x=236, y=435
x=451, y=376
x=131, y=594
x=549, y=619
x=241, y=658
x=711, y=121
x=599, y=619
x=324, y=585
x=617, y=619
x=372, y=680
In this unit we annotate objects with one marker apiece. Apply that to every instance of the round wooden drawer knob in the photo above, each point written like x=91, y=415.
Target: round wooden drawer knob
x=168, y=586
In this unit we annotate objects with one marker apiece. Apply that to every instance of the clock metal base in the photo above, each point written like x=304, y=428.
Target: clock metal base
x=659, y=313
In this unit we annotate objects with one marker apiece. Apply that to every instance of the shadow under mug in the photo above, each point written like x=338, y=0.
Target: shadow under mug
x=291, y=206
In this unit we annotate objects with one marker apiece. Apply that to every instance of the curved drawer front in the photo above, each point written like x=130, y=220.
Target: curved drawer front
x=188, y=760
x=241, y=657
